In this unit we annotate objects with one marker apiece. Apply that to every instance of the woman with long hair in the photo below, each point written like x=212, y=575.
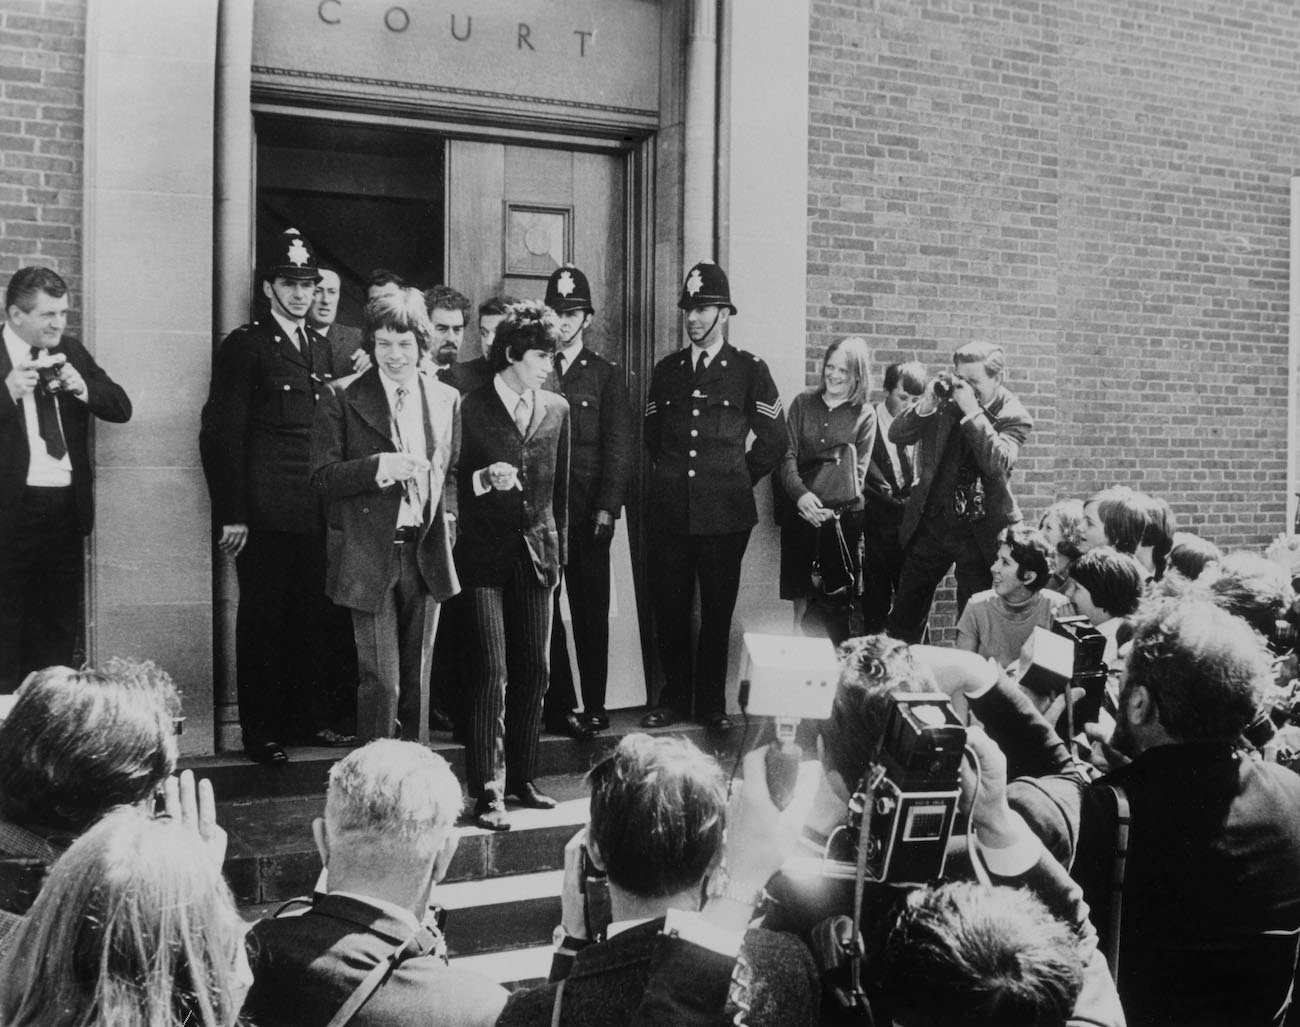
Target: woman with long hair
x=820, y=561
x=135, y=927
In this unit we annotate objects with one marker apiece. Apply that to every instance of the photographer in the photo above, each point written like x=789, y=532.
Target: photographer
x=658, y=811
x=970, y=428
x=1202, y=927
x=1050, y=955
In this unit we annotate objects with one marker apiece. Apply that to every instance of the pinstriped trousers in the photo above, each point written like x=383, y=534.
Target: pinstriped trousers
x=509, y=658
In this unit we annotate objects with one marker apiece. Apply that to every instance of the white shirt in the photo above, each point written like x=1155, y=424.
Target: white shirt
x=709, y=353
x=568, y=355
x=291, y=329
x=408, y=436
x=883, y=420
x=511, y=399
x=43, y=470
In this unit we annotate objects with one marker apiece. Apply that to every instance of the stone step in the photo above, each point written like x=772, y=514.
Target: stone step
x=235, y=777
x=516, y=968
x=502, y=914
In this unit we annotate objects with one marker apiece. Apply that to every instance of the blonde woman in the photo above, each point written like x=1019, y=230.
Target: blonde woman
x=135, y=927
x=837, y=411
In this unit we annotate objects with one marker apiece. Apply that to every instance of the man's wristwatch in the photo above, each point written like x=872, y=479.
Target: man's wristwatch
x=565, y=942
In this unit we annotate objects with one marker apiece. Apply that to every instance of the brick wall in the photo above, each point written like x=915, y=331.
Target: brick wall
x=42, y=54
x=1100, y=186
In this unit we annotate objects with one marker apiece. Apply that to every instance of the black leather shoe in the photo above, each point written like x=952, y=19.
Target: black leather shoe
x=720, y=724
x=490, y=814
x=660, y=716
x=597, y=720
x=529, y=797
x=266, y=752
x=570, y=727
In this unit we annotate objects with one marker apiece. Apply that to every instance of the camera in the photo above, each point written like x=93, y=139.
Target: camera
x=789, y=680
x=908, y=797
x=48, y=368
x=943, y=382
x=1069, y=656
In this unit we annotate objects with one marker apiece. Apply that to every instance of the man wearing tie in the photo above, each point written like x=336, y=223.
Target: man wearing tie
x=514, y=490
x=704, y=402
x=888, y=484
x=599, y=469
x=384, y=450
x=52, y=388
x=255, y=443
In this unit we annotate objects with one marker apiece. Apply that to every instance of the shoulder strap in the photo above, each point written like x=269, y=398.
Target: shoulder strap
x=1122, y=820
x=559, y=999
x=421, y=943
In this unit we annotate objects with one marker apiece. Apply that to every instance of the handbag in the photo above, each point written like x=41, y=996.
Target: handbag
x=832, y=476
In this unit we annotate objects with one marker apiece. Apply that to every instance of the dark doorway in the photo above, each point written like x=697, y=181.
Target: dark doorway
x=365, y=197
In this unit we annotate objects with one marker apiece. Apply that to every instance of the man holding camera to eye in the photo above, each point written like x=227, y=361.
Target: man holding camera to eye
x=977, y=953
x=53, y=388
x=970, y=429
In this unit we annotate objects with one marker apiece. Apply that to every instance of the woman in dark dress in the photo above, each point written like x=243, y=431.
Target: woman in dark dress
x=836, y=412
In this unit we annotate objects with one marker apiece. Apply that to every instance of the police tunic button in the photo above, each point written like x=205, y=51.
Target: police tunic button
x=726, y=402
x=584, y=402
x=694, y=432
x=724, y=363
x=692, y=452
x=286, y=388
x=691, y=474
x=695, y=413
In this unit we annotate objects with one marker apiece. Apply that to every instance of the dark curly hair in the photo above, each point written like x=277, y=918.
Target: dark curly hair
x=528, y=324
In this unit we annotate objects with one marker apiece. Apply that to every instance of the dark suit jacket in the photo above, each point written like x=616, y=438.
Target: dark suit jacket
x=344, y=340
x=499, y=528
x=353, y=426
x=255, y=439
x=607, y=982
x=995, y=438
x=601, y=432
x=885, y=495
x=105, y=399
x=1213, y=863
x=305, y=968
x=467, y=375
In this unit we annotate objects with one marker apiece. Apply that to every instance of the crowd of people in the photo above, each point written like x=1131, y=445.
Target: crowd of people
x=1139, y=865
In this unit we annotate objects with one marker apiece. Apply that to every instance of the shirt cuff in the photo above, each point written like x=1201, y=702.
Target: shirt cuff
x=1015, y=859
x=691, y=927
x=479, y=488
x=991, y=675
x=970, y=417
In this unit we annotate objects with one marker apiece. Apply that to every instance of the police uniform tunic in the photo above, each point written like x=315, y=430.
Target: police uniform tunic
x=255, y=443
x=701, y=506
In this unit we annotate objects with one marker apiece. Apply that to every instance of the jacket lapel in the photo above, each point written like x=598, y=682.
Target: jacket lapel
x=371, y=404
x=539, y=412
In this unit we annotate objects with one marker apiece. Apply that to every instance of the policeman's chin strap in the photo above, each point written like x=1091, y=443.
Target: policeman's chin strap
x=277, y=302
x=716, y=317
x=582, y=326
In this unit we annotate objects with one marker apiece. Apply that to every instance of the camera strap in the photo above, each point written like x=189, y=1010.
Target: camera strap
x=874, y=776
x=1123, y=818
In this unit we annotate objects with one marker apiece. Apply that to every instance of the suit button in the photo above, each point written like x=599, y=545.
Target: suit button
x=691, y=473
x=584, y=402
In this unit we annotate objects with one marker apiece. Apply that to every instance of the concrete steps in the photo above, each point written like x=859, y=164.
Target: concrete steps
x=502, y=892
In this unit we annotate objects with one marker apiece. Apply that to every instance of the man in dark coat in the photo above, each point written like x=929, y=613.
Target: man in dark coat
x=256, y=448
x=53, y=388
x=968, y=429
x=346, y=355
x=599, y=468
x=1210, y=914
x=704, y=402
x=658, y=812
x=514, y=501
x=384, y=451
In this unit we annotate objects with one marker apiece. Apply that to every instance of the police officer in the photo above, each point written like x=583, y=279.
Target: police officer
x=703, y=403
x=600, y=464
x=255, y=443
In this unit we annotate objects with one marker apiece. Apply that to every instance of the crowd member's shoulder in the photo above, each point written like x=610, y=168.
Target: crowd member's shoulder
x=776, y=979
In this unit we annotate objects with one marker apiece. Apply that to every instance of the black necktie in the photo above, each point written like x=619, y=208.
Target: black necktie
x=700, y=365
x=905, y=466
x=304, y=346
x=559, y=365
x=47, y=417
